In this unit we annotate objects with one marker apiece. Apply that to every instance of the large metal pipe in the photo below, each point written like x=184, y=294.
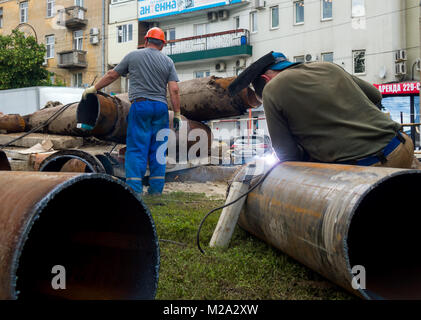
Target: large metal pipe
x=334, y=217
x=92, y=225
x=208, y=98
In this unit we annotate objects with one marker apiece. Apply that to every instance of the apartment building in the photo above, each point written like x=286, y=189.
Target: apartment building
x=72, y=30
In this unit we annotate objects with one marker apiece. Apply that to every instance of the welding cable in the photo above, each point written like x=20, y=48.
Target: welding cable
x=46, y=123
x=228, y=204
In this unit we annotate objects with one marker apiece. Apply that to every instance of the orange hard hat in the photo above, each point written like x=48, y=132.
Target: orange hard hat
x=156, y=33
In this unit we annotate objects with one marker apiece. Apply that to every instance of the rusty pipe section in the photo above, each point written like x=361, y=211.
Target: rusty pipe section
x=333, y=218
x=72, y=161
x=208, y=99
x=4, y=162
x=91, y=227
x=107, y=119
x=12, y=123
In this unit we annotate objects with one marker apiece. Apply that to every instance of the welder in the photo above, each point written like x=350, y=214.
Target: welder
x=319, y=112
x=150, y=72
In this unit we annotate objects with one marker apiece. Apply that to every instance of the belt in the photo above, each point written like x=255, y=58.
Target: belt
x=139, y=100
x=381, y=155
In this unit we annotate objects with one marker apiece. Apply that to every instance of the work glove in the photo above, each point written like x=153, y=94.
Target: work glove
x=87, y=91
x=177, y=121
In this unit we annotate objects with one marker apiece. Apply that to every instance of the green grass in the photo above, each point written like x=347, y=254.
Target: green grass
x=248, y=269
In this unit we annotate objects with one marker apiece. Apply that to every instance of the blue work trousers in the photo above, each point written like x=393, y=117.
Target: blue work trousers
x=145, y=120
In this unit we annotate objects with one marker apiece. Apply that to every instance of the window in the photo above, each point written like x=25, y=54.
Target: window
x=78, y=40
x=237, y=22
x=50, y=8
x=327, y=9
x=200, y=30
x=77, y=80
x=358, y=59
x=299, y=59
x=274, y=17
x=201, y=74
x=1, y=17
x=253, y=21
x=299, y=12
x=49, y=43
x=124, y=33
x=79, y=3
x=358, y=8
x=23, y=12
x=327, y=57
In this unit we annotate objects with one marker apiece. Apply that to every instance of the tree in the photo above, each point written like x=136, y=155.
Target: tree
x=21, y=60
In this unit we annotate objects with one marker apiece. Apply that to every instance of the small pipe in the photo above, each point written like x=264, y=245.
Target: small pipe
x=4, y=162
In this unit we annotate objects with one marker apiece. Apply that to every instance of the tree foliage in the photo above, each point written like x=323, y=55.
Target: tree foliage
x=21, y=60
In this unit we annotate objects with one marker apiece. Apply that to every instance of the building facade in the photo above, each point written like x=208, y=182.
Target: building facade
x=72, y=30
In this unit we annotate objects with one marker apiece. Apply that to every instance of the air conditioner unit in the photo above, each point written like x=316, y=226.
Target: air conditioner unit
x=223, y=14
x=400, y=68
x=212, y=16
x=308, y=57
x=259, y=4
x=94, y=31
x=240, y=63
x=400, y=55
x=220, y=66
x=94, y=40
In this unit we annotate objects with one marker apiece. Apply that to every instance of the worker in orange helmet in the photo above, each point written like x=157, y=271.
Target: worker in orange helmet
x=151, y=72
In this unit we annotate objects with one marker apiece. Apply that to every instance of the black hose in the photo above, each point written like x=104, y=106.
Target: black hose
x=228, y=204
x=46, y=123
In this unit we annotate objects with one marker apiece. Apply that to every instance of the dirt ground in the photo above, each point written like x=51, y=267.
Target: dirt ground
x=210, y=189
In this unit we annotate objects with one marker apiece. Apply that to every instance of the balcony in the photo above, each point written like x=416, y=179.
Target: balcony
x=229, y=43
x=76, y=17
x=72, y=59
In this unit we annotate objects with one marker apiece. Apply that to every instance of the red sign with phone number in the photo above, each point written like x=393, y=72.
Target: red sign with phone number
x=399, y=88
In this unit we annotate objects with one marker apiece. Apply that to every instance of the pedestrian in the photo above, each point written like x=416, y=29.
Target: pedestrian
x=150, y=72
x=319, y=112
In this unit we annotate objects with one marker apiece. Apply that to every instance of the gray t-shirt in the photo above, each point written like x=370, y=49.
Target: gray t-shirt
x=150, y=71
